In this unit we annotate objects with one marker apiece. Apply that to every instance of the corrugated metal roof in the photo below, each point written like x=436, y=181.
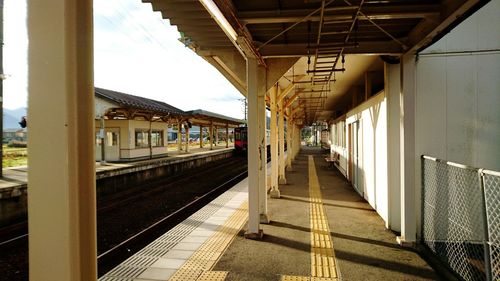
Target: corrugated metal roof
x=135, y=102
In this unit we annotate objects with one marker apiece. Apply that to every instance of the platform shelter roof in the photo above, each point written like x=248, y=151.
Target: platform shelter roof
x=127, y=106
x=204, y=117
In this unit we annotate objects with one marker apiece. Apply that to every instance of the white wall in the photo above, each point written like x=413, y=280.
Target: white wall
x=392, y=91
x=372, y=115
x=458, y=98
x=126, y=141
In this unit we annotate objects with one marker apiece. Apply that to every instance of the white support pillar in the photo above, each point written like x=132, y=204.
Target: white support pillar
x=407, y=146
x=201, y=136
x=187, y=138
x=392, y=90
x=227, y=135
x=289, y=141
x=211, y=136
x=297, y=141
x=261, y=100
x=281, y=142
x=62, y=208
x=254, y=231
x=275, y=192
x=179, y=136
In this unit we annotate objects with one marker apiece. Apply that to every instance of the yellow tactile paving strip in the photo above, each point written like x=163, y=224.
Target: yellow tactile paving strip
x=203, y=260
x=323, y=267
x=295, y=278
x=322, y=255
x=213, y=276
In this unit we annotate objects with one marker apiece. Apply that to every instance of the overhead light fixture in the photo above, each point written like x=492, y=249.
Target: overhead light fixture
x=214, y=11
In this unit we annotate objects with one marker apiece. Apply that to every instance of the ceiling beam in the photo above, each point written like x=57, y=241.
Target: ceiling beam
x=298, y=50
x=375, y=13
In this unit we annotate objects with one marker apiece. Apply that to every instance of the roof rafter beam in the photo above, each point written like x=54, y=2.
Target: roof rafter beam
x=380, y=13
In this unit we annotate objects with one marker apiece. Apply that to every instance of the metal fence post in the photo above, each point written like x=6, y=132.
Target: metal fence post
x=487, y=256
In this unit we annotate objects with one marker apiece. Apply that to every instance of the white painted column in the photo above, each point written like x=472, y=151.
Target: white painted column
x=408, y=158
x=62, y=208
x=281, y=142
x=392, y=90
x=211, y=136
x=289, y=141
x=201, y=136
x=261, y=100
x=275, y=193
x=179, y=136
x=297, y=141
x=254, y=231
x=187, y=138
x=227, y=136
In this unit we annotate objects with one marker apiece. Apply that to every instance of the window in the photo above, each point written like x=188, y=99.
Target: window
x=141, y=138
x=111, y=138
x=157, y=138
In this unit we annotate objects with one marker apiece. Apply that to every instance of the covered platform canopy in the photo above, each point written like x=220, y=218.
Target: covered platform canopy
x=312, y=45
x=200, y=117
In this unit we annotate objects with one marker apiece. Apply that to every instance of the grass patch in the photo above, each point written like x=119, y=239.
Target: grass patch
x=14, y=156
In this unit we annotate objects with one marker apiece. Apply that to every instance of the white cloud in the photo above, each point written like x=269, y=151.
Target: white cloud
x=15, y=52
x=137, y=52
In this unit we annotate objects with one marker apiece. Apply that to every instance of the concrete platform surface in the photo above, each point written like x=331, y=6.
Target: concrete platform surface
x=363, y=248
x=320, y=230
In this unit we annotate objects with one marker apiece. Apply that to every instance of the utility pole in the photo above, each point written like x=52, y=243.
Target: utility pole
x=245, y=105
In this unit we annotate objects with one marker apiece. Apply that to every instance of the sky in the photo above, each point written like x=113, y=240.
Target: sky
x=135, y=52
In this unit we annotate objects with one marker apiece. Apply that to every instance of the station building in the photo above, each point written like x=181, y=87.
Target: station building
x=136, y=128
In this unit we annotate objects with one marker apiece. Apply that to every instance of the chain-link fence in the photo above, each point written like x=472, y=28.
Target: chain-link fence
x=461, y=217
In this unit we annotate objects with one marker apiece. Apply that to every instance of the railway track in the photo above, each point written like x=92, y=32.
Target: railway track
x=158, y=205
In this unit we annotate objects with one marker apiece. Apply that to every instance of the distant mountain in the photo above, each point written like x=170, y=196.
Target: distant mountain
x=11, y=117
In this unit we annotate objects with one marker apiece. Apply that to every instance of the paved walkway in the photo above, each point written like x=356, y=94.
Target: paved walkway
x=320, y=230
x=318, y=209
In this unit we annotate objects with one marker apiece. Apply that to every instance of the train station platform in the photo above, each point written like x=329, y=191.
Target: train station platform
x=320, y=229
x=14, y=180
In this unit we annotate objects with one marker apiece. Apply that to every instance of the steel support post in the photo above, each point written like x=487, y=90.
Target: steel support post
x=62, y=208
x=275, y=193
x=254, y=231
